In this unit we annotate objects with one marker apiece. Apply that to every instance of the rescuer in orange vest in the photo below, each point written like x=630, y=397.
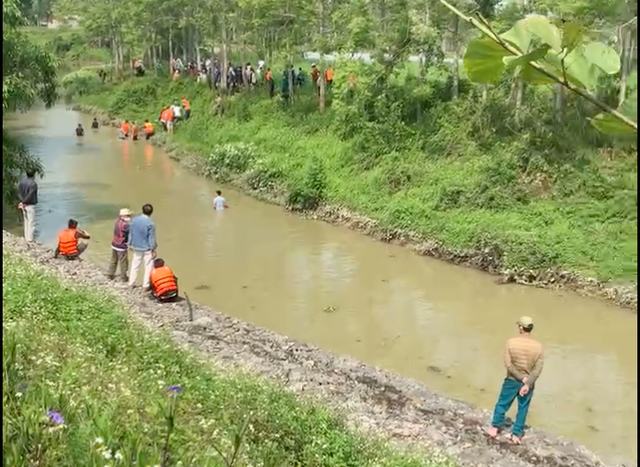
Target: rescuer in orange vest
x=148, y=129
x=68, y=244
x=164, y=284
x=187, y=108
x=134, y=131
x=124, y=129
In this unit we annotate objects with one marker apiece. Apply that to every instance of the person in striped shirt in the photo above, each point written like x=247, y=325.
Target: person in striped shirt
x=523, y=360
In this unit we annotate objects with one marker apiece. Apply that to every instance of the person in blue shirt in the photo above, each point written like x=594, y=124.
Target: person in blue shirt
x=142, y=240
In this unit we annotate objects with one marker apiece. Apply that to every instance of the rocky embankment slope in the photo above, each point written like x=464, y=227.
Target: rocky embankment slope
x=372, y=399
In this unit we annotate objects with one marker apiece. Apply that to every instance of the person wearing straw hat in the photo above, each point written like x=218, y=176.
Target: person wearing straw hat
x=523, y=360
x=120, y=246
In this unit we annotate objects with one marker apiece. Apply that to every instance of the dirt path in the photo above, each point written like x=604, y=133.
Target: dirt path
x=372, y=399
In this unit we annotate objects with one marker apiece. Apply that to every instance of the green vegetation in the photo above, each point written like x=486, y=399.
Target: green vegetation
x=490, y=156
x=118, y=392
x=461, y=176
x=28, y=75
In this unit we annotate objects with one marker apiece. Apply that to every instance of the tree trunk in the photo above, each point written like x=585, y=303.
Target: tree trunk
x=559, y=103
x=625, y=57
x=225, y=58
x=170, y=51
x=455, y=84
x=196, y=46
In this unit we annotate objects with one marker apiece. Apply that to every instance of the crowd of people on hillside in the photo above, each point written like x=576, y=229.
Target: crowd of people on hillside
x=248, y=76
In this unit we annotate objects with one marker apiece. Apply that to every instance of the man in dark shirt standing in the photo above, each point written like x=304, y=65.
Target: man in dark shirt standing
x=28, y=195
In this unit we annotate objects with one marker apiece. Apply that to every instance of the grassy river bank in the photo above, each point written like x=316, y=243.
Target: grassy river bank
x=109, y=363
x=83, y=384
x=459, y=206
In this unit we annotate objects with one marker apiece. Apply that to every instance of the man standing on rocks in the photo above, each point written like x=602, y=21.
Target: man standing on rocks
x=120, y=245
x=28, y=195
x=142, y=240
x=523, y=359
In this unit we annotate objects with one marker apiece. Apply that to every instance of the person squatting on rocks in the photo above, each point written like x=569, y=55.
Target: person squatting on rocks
x=28, y=196
x=164, y=283
x=68, y=244
x=142, y=240
x=523, y=359
x=120, y=245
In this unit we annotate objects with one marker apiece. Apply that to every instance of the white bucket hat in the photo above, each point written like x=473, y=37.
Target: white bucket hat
x=124, y=212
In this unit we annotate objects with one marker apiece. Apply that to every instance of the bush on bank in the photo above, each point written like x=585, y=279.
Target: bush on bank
x=83, y=385
x=459, y=175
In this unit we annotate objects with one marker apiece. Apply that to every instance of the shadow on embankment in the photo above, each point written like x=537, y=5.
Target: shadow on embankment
x=372, y=399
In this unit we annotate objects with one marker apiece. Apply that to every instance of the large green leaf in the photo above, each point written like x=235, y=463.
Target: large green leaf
x=603, y=57
x=579, y=68
x=511, y=62
x=544, y=30
x=519, y=36
x=483, y=61
x=611, y=125
x=572, y=35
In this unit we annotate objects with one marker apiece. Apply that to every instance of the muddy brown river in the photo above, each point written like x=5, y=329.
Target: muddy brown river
x=441, y=324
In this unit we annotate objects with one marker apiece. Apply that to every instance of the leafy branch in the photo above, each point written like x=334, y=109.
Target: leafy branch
x=542, y=53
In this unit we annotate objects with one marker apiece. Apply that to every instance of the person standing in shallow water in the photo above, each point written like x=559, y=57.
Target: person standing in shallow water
x=219, y=202
x=523, y=359
x=94, y=124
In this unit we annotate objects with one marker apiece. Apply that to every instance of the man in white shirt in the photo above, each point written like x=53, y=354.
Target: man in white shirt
x=177, y=111
x=219, y=202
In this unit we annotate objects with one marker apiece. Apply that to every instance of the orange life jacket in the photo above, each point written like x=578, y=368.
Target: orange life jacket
x=163, y=280
x=124, y=128
x=268, y=76
x=185, y=104
x=148, y=128
x=329, y=74
x=168, y=115
x=67, y=242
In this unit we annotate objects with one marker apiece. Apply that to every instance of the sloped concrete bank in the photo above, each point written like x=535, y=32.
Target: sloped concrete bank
x=372, y=399
x=486, y=259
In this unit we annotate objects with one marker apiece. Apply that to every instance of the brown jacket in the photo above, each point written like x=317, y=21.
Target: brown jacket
x=523, y=357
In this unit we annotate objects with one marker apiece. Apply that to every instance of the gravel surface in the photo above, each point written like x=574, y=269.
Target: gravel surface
x=372, y=399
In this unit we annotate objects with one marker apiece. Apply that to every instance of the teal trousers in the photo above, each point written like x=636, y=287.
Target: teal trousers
x=509, y=393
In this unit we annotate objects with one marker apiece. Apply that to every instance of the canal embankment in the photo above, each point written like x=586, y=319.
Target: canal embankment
x=373, y=400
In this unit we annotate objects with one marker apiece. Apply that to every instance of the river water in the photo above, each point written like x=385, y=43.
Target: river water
x=441, y=324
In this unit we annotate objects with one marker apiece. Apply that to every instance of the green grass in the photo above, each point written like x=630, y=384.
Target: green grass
x=75, y=351
x=451, y=186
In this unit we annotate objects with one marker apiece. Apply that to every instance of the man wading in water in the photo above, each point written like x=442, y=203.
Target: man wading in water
x=523, y=359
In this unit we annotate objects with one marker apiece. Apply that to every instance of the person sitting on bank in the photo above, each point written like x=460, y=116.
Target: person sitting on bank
x=94, y=124
x=79, y=130
x=68, y=244
x=164, y=284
